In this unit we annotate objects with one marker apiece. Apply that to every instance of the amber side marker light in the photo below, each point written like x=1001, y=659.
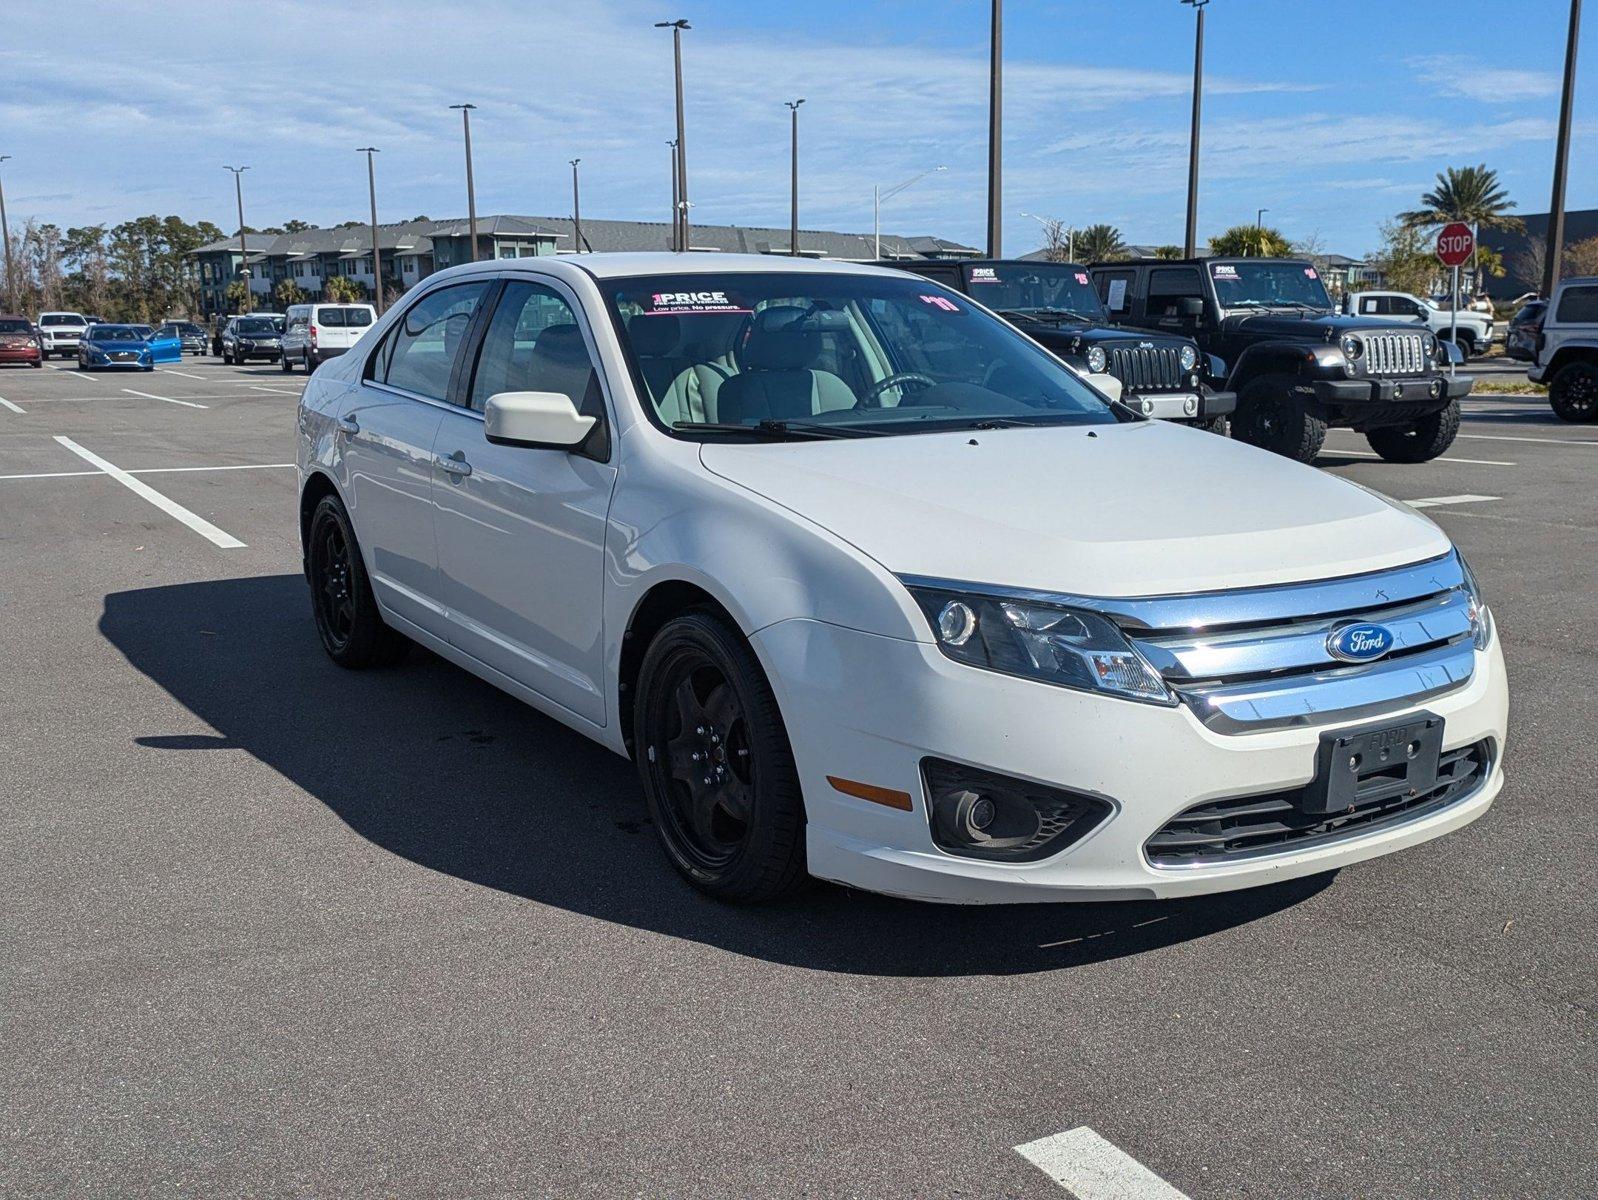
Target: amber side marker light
x=877, y=795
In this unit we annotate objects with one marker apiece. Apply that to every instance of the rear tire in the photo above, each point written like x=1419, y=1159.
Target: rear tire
x=346, y=612
x=715, y=763
x=1573, y=394
x=1420, y=442
x=1267, y=416
x=287, y=364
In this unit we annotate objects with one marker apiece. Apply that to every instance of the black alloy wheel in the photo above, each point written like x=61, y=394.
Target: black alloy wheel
x=1573, y=395
x=346, y=612
x=1269, y=417
x=715, y=763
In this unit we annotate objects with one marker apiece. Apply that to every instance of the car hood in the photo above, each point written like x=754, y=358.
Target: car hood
x=1141, y=509
x=117, y=343
x=1325, y=327
x=1069, y=333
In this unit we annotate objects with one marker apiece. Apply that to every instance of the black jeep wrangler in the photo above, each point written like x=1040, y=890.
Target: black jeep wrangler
x=1298, y=367
x=1055, y=305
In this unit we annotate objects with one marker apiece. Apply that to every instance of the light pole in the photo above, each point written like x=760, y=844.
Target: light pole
x=577, y=211
x=5, y=239
x=1191, y=241
x=793, y=200
x=377, y=265
x=1259, y=230
x=995, y=127
x=676, y=28
x=676, y=211
x=878, y=196
x=244, y=252
x=1556, y=205
x=471, y=190
x=1050, y=226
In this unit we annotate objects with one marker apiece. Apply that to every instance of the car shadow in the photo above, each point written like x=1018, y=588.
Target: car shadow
x=435, y=766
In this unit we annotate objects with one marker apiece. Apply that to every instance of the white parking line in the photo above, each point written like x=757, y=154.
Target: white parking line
x=1497, y=437
x=168, y=399
x=185, y=374
x=1092, y=1168
x=153, y=471
x=1475, y=462
x=143, y=490
x=1438, y=501
x=7, y=404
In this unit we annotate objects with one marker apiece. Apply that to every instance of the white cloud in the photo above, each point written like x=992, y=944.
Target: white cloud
x=1471, y=79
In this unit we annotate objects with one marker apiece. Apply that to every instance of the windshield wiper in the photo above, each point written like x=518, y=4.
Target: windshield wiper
x=1045, y=314
x=778, y=430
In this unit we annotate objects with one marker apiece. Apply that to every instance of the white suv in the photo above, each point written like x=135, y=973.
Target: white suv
x=60, y=332
x=871, y=586
x=1567, y=350
x=314, y=333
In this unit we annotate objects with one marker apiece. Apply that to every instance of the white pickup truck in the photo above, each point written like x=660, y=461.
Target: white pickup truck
x=1476, y=329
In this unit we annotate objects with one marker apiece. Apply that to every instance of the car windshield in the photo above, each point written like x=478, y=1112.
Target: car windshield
x=118, y=333
x=1263, y=284
x=60, y=319
x=258, y=325
x=1036, y=287
x=832, y=354
x=8, y=325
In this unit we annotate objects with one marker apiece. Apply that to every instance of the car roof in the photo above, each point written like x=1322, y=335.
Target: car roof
x=664, y=262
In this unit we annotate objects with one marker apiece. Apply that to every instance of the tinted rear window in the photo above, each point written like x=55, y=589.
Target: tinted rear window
x=339, y=318
x=1579, y=304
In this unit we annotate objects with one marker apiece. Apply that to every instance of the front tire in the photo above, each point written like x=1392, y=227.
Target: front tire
x=1267, y=416
x=347, y=617
x=1573, y=394
x=287, y=364
x=1420, y=442
x=717, y=770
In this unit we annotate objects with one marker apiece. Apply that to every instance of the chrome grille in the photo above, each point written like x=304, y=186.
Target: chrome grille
x=1395, y=353
x=1155, y=369
x=1257, y=659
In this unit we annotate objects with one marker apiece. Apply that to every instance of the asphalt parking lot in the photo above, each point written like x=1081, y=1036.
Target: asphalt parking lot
x=275, y=928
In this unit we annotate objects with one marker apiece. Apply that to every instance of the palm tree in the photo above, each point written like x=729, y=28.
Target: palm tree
x=1099, y=243
x=1469, y=194
x=1250, y=241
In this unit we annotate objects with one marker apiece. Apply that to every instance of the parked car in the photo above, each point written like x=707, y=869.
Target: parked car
x=1520, y=336
x=19, y=341
x=136, y=347
x=1297, y=366
x=253, y=337
x=190, y=335
x=1055, y=305
x=318, y=332
x=1476, y=330
x=1567, y=350
x=59, y=332
x=872, y=587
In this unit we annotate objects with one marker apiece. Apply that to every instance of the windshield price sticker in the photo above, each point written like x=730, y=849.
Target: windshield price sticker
x=1310, y=273
x=984, y=275
x=693, y=302
x=1224, y=271
x=942, y=302
x=1081, y=277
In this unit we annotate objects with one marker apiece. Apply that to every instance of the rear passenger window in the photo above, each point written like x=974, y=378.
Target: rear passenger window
x=420, y=351
x=1578, y=305
x=534, y=344
x=1169, y=285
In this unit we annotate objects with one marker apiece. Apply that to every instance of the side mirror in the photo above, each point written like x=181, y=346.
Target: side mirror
x=540, y=420
x=1190, y=308
x=1451, y=351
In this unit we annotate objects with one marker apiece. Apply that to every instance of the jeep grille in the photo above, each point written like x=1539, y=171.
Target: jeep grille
x=1153, y=370
x=1396, y=353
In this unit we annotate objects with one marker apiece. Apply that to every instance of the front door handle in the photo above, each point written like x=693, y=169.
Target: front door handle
x=456, y=464
x=349, y=425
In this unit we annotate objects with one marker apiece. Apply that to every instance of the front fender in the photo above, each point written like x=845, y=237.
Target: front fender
x=1268, y=358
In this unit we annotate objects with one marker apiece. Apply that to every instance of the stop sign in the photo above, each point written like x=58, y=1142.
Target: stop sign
x=1454, y=244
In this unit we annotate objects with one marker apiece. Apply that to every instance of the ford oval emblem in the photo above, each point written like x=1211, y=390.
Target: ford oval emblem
x=1359, y=643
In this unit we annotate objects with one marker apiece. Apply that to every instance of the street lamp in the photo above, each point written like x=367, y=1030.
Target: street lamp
x=878, y=196
x=1556, y=205
x=244, y=252
x=1050, y=225
x=577, y=211
x=371, y=187
x=676, y=28
x=675, y=209
x=793, y=202
x=5, y=238
x=1193, y=141
x=1259, y=230
x=995, y=124
x=471, y=191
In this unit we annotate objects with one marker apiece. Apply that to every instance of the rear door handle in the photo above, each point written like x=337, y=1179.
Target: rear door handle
x=349, y=425
x=456, y=464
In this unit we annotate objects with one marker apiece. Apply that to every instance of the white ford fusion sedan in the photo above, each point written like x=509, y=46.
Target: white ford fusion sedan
x=873, y=588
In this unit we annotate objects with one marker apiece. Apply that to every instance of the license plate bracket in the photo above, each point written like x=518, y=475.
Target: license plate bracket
x=1369, y=764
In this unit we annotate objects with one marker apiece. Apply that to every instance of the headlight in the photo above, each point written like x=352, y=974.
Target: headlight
x=1189, y=357
x=1096, y=359
x=1352, y=346
x=1051, y=643
x=1481, y=617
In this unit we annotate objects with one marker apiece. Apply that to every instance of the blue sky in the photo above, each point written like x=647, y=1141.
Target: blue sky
x=1332, y=116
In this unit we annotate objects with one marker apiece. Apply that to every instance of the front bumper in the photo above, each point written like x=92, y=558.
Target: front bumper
x=868, y=708
x=269, y=353
x=27, y=354
x=1203, y=405
x=1415, y=389
x=1537, y=372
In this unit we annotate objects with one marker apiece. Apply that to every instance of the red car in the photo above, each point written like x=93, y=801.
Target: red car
x=18, y=342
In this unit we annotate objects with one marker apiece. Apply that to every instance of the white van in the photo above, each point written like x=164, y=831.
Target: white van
x=317, y=332
x=60, y=332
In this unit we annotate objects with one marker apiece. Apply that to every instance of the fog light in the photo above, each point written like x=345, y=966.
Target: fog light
x=1437, y=389
x=1190, y=406
x=1148, y=407
x=979, y=814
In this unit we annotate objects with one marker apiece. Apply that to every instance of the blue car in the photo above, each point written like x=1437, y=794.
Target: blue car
x=136, y=346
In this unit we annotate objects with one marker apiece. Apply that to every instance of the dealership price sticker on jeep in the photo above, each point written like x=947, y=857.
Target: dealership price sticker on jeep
x=1298, y=366
x=871, y=587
